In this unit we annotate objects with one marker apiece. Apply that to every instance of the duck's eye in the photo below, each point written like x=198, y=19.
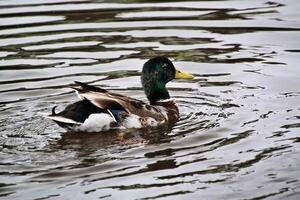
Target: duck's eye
x=164, y=66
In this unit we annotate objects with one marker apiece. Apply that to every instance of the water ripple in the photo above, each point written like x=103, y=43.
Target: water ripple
x=239, y=116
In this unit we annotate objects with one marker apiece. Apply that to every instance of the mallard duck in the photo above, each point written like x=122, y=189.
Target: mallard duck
x=100, y=110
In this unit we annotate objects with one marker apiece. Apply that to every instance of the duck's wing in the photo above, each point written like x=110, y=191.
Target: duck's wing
x=117, y=102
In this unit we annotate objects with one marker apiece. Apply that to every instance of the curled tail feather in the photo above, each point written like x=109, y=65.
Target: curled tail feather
x=53, y=110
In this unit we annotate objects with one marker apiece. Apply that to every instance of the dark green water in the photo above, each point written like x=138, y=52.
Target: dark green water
x=238, y=136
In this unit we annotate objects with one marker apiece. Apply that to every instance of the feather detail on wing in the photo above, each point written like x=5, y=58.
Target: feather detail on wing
x=108, y=100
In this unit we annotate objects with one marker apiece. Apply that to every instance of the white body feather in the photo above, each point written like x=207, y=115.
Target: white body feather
x=103, y=121
x=96, y=123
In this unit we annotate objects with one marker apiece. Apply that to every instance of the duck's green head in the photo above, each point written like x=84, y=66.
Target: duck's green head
x=156, y=73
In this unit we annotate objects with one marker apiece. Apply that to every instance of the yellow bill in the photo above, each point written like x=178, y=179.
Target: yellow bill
x=183, y=75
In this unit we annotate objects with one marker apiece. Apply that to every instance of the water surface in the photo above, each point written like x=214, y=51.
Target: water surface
x=238, y=135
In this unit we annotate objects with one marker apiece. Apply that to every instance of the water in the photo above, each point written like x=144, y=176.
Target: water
x=238, y=135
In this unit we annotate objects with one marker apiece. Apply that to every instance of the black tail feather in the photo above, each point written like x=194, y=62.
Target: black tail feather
x=66, y=126
x=53, y=110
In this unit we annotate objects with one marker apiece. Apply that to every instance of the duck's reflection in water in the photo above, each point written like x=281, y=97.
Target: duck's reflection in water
x=89, y=145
